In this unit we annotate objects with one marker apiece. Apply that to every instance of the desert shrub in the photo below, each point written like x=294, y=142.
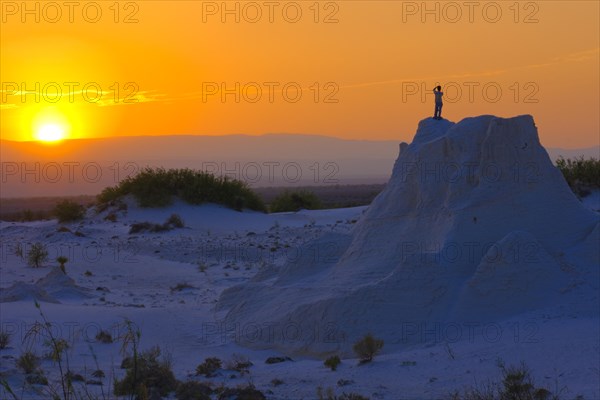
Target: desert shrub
x=111, y=217
x=367, y=347
x=109, y=196
x=37, y=255
x=73, y=377
x=276, y=382
x=332, y=362
x=98, y=374
x=140, y=227
x=104, y=337
x=36, y=379
x=4, y=340
x=209, y=367
x=193, y=390
x=239, y=363
x=68, y=211
x=294, y=201
x=19, y=251
x=181, y=286
x=28, y=362
x=516, y=384
x=242, y=393
x=328, y=394
x=26, y=216
x=62, y=260
x=580, y=173
x=148, y=227
x=175, y=221
x=56, y=348
x=277, y=360
x=351, y=396
x=156, y=187
x=147, y=371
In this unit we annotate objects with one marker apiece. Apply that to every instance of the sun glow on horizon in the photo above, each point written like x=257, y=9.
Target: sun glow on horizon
x=50, y=133
x=50, y=126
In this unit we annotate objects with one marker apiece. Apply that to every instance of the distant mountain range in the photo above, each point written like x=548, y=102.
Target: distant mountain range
x=86, y=166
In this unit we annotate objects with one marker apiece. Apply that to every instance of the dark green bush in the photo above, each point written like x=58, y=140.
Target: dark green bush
x=516, y=384
x=581, y=174
x=146, y=372
x=294, y=201
x=367, y=347
x=209, y=367
x=148, y=227
x=175, y=221
x=328, y=394
x=68, y=211
x=242, y=393
x=276, y=360
x=104, y=337
x=37, y=255
x=37, y=379
x=181, y=286
x=156, y=187
x=27, y=216
x=4, y=339
x=193, y=390
x=332, y=362
x=28, y=362
x=239, y=363
x=62, y=260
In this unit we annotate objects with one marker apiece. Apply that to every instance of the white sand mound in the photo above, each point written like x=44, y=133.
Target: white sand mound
x=475, y=224
x=52, y=288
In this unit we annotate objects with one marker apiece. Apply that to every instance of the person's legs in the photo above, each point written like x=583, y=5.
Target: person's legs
x=440, y=111
x=435, y=112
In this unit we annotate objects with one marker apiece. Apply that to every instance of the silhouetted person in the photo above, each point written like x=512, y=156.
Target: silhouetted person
x=437, y=114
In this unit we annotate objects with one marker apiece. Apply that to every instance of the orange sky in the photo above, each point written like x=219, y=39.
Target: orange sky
x=374, y=59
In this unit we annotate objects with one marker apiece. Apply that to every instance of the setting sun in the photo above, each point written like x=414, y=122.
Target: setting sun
x=50, y=133
x=49, y=124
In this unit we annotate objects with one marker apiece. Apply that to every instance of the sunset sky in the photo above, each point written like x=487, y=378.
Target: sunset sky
x=365, y=68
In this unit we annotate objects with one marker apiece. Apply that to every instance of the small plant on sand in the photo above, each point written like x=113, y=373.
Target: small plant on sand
x=242, y=392
x=516, y=384
x=175, y=221
x=19, y=251
x=193, y=390
x=328, y=394
x=57, y=353
x=209, y=367
x=181, y=287
x=28, y=362
x=239, y=363
x=367, y=347
x=104, y=337
x=4, y=339
x=37, y=255
x=62, y=260
x=332, y=362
